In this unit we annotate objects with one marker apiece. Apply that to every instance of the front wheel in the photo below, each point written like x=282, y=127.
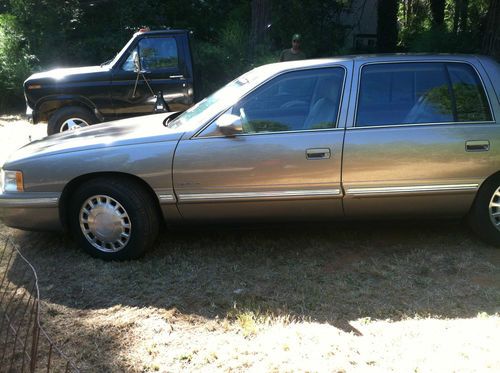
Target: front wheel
x=113, y=219
x=70, y=118
x=484, y=217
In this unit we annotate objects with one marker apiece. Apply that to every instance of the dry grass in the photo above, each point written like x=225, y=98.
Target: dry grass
x=404, y=298
x=336, y=297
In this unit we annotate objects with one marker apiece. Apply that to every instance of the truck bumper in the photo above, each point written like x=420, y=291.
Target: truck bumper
x=32, y=115
x=30, y=211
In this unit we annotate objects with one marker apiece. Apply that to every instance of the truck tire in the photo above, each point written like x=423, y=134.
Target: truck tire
x=69, y=118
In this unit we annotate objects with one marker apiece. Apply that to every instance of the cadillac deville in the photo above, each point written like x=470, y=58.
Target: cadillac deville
x=363, y=137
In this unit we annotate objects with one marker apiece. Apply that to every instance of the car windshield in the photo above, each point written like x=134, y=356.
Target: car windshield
x=214, y=104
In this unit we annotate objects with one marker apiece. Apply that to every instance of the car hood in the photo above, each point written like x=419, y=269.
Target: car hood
x=132, y=131
x=62, y=73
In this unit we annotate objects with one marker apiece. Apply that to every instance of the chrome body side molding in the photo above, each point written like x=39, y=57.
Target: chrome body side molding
x=302, y=194
x=166, y=198
x=411, y=189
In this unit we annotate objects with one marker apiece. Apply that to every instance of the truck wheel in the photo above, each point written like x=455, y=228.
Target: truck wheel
x=113, y=218
x=484, y=216
x=69, y=118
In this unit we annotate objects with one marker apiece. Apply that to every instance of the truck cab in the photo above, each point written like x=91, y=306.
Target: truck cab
x=150, y=64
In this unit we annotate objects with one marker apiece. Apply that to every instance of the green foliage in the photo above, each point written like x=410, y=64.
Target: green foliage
x=418, y=33
x=223, y=60
x=15, y=63
x=48, y=26
x=227, y=55
x=316, y=20
x=443, y=41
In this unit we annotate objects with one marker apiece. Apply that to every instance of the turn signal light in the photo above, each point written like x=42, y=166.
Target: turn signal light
x=19, y=181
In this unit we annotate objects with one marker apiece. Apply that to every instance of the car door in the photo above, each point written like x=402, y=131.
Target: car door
x=421, y=139
x=286, y=163
x=161, y=70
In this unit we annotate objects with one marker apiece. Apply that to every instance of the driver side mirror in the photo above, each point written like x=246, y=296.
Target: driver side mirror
x=229, y=124
x=137, y=62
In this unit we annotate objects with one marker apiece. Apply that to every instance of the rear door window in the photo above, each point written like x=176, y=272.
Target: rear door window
x=470, y=98
x=412, y=93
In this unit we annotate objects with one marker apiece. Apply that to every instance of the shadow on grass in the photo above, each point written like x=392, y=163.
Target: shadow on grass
x=329, y=273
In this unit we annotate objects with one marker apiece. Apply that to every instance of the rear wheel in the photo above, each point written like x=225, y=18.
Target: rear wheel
x=70, y=118
x=484, y=217
x=113, y=219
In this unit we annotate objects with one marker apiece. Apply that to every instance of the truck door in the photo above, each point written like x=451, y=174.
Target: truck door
x=163, y=65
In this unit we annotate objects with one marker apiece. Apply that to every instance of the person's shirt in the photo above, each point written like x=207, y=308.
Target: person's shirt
x=288, y=55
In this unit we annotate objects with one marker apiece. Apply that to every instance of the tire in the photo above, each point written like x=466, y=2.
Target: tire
x=482, y=216
x=70, y=116
x=113, y=218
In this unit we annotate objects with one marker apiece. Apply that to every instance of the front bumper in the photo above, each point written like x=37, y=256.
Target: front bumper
x=30, y=211
x=32, y=115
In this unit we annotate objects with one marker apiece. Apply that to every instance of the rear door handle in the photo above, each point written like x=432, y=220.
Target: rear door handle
x=176, y=76
x=477, y=146
x=318, y=153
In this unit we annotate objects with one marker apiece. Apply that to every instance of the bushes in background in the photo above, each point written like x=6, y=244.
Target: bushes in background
x=16, y=63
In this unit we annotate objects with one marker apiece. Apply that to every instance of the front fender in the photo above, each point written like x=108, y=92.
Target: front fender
x=48, y=104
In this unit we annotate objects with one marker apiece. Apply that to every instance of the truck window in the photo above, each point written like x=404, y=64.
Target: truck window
x=155, y=54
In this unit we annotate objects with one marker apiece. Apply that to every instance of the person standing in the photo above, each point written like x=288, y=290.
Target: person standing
x=294, y=53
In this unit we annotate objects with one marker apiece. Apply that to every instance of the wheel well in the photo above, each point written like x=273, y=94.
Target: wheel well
x=71, y=187
x=49, y=107
x=485, y=182
x=492, y=176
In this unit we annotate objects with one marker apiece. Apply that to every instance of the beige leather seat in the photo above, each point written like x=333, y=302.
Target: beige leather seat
x=324, y=108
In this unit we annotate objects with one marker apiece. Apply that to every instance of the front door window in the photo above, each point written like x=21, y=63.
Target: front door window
x=294, y=101
x=154, y=54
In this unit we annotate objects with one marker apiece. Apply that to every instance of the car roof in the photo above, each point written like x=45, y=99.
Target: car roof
x=369, y=58
x=280, y=67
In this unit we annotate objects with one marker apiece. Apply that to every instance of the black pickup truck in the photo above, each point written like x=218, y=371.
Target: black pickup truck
x=150, y=64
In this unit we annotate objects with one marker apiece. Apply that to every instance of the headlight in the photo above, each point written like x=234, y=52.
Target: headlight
x=11, y=181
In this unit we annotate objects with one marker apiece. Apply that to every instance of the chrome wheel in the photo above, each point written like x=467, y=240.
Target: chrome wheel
x=494, y=209
x=73, y=124
x=105, y=223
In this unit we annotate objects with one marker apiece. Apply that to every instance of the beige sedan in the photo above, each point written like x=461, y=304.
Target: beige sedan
x=355, y=137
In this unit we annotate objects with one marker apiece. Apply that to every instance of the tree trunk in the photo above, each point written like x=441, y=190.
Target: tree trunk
x=437, y=10
x=491, y=39
x=261, y=15
x=387, y=28
x=464, y=15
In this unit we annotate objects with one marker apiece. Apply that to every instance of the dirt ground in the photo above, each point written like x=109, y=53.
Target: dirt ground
x=15, y=131
x=400, y=297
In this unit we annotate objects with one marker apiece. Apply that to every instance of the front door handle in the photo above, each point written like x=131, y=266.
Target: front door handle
x=176, y=76
x=477, y=146
x=318, y=153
